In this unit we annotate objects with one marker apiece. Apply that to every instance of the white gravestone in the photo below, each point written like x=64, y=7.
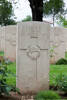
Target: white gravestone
x=33, y=56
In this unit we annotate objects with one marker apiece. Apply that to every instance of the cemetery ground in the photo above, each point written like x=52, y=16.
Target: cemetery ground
x=55, y=70
x=55, y=74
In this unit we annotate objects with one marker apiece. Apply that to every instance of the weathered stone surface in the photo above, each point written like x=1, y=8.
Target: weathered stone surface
x=10, y=42
x=2, y=38
x=33, y=56
x=58, y=42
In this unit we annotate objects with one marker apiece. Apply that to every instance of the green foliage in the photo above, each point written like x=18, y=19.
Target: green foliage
x=6, y=12
x=62, y=21
x=28, y=18
x=4, y=88
x=53, y=7
x=61, y=82
x=52, y=51
x=61, y=61
x=4, y=73
x=47, y=95
x=10, y=22
x=55, y=70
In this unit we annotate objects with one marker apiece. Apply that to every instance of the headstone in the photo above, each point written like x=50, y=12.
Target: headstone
x=10, y=42
x=33, y=56
x=59, y=43
x=3, y=38
x=52, y=55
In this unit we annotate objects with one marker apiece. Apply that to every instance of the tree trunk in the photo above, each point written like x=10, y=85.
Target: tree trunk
x=37, y=15
x=37, y=9
x=53, y=19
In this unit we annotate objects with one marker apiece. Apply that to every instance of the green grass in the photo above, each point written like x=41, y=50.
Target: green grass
x=11, y=80
x=55, y=70
x=1, y=53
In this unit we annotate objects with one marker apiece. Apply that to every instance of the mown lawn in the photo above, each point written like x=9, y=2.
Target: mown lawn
x=54, y=71
x=1, y=53
x=11, y=80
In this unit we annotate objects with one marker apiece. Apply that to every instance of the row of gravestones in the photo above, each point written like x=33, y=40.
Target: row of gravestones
x=58, y=42
x=8, y=41
x=29, y=42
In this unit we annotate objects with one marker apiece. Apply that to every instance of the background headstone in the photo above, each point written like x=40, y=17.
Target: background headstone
x=3, y=38
x=10, y=42
x=59, y=43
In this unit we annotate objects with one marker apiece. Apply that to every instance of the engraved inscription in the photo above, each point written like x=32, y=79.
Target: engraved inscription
x=33, y=52
x=34, y=35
